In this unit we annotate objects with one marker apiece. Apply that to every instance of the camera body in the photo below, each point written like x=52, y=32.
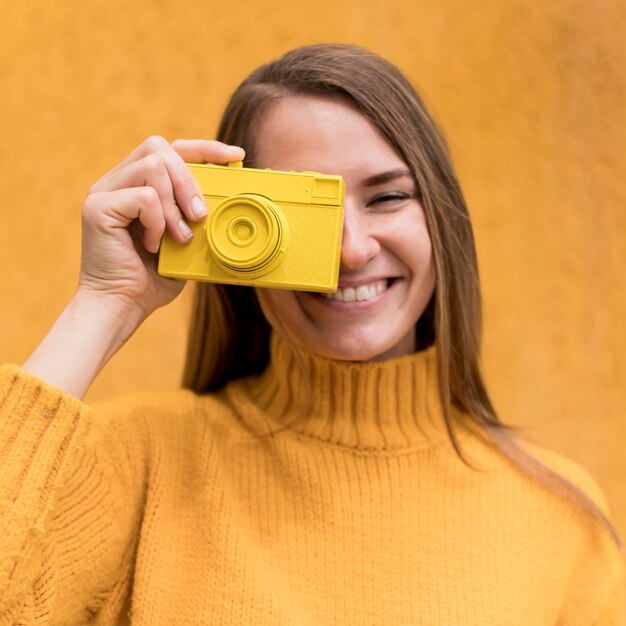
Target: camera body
x=264, y=228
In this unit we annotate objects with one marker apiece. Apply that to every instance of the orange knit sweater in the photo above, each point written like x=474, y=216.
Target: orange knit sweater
x=171, y=509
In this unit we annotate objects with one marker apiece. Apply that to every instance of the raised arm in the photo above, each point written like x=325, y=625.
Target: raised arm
x=70, y=491
x=124, y=217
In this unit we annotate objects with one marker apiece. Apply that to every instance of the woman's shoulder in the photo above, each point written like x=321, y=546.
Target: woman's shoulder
x=573, y=472
x=485, y=452
x=157, y=413
x=173, y=422
x=547, y=521
x=536, y=483
x=598, y=570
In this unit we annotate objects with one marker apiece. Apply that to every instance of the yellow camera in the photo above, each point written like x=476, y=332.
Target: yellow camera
x=264, y=228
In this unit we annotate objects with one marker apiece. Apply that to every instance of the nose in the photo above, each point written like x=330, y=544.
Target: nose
x=359, y=243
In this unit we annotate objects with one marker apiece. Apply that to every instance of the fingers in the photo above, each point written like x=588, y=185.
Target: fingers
x=161, y=166
x=117, y=209
x=201, y=151
x=151, y=171
x=156, y=163
x=152, y=145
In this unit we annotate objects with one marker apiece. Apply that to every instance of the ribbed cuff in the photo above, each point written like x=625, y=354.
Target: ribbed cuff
x=41, y=429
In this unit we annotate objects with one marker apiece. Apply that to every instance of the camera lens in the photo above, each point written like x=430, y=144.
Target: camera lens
x=242, y=231
x=247, y=235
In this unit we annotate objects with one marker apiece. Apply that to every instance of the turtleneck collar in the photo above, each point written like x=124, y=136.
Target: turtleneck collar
x=374, y=405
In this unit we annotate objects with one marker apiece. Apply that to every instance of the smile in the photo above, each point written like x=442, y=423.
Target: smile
x=360, y=293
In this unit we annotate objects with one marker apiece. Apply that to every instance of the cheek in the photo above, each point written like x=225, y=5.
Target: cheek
x=426, y=256
x=414, y=247
x=426, y=265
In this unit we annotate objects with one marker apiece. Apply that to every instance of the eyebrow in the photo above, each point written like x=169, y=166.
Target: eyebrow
x=384, y=177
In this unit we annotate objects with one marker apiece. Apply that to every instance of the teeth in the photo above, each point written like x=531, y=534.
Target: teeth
x=349, y=295
x=361, y=293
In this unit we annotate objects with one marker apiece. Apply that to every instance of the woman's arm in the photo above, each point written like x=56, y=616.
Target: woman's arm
x=124, y=217
x=72, y=488
x=71, y=494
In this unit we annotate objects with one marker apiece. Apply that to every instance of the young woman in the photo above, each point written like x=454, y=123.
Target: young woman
x=332, y=460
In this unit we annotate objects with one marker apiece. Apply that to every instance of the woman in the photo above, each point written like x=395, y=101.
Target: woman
x=338, y=460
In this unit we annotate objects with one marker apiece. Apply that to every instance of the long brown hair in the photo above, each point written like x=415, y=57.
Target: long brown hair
x=229, y=335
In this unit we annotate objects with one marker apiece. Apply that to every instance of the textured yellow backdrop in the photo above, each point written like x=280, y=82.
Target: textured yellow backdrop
x=530, y=95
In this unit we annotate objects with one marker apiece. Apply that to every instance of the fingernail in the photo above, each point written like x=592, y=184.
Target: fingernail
x=184, y=230
x=198, y=208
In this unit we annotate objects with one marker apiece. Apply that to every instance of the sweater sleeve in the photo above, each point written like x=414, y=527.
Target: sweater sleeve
x=596, y=587
x=69, y=507
x=614, y=611
x=596, y=590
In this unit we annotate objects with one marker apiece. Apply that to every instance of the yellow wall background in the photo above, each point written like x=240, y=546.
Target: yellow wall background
x=530, y=96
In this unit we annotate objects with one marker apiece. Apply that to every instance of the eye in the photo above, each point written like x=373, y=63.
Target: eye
x=389, y=199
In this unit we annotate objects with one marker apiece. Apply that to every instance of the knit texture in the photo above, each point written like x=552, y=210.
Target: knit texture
x=320, y=492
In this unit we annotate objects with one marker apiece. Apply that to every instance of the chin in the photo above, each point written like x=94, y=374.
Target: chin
x=358, y=348
x=345, y=337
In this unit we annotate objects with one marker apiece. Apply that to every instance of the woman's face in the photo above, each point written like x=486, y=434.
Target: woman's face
x=386, y=276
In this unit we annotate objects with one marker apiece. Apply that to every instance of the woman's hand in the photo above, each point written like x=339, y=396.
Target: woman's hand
x=125, y=214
